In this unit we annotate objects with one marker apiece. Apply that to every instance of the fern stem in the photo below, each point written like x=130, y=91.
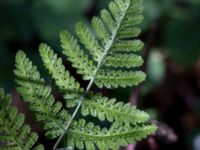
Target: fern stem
x=78, y=106
x=69, y=122
x=107, y=48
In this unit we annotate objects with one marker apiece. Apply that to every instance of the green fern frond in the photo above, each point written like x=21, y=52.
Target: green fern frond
x=79, y=60
x=111, y=110
x=113, y=50
x=112, y=33
x=88, y=135
x=102, y=108
x=50, y=112
x=94, y=105
x=63, y=80
x=15, y=134
x=33, y=90
x=86, y=36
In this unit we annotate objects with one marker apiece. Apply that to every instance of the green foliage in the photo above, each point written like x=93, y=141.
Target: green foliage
x=15, y=134
x=46, y=110
x=96, y=105
x=109, y=109
x=105, y=139
x=109, y=38
x=34, y=91
x=112, y=54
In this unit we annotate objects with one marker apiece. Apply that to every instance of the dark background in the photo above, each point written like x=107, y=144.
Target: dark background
x=171, y=32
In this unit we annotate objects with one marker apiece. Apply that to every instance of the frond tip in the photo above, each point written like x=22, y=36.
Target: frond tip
x=112, y=44
x=15, y=134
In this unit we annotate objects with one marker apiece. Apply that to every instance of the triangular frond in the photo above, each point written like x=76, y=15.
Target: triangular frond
x=111, y=59
x=112, y=43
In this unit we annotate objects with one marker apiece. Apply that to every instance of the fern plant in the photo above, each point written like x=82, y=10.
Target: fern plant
x=15, y=134
x=112, y=60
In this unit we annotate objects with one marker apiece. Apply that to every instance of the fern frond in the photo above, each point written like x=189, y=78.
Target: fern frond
x=33, y=90
x=51, y=112
x=86, y=36
x=63, y=80
x=111, y=43
x=108, y=109
x=110, y=35
x=15, y=134
x=76, y=55
x=94, y=105
x=108, y=19
x=91, y=136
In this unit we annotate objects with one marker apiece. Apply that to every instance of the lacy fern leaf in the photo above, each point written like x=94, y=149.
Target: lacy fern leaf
x=94, y=105
x=110, y=110
x=15, y=134
x=112, y=60
x=34, y=91
x=110, y=43
x=106, y=139
x=79, y=131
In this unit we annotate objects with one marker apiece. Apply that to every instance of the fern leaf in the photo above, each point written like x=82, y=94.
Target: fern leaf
x=127, y=46
x=91, y=136
x=128, y=32
x=86, y=36
x=33, y=90
x=51, y=113
x=15, y=134
x=111, y=43
x=76, y=55
x=123, y=60
x=110, y=35
x=108, y=109
x=108, y=19
x=94, y=105
x=113, y=79
x=64, y=81
x=101, y=31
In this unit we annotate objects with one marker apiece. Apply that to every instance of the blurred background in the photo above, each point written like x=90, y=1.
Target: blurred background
x=171, y=32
